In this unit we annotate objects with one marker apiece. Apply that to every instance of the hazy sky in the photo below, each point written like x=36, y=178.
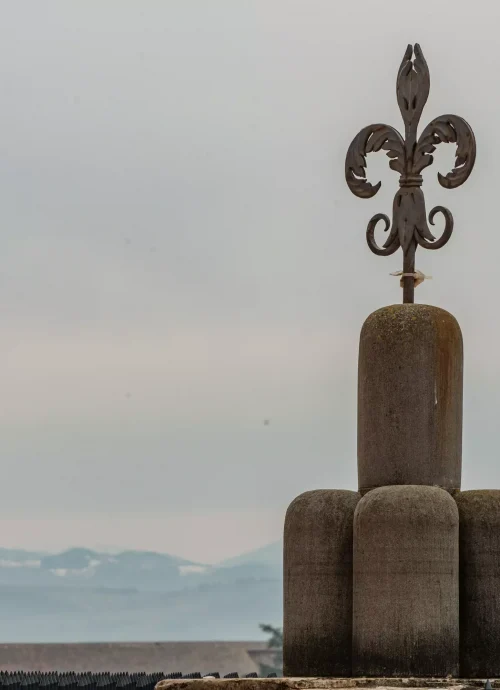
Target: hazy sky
x=181, y=257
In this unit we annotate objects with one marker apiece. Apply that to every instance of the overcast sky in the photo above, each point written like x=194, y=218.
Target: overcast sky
x=181, y=258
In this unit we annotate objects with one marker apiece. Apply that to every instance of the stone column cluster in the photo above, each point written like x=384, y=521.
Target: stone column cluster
x=401, y=578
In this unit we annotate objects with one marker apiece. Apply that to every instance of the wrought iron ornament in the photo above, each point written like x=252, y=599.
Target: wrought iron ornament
x=409, y=156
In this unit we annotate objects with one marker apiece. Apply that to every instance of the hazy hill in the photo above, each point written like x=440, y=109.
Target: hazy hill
x=137, y=569
x=82, y=595
x=86, y=568
x=271, y=555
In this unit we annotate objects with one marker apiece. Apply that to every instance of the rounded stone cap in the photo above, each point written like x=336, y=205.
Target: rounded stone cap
x=479, y=506
x=427, y=505
x=405, y=320
x=317, y=500
x=410, y=380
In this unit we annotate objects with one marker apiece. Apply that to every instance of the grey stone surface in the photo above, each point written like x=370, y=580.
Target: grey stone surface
x=405, y=583
x=317, y=573
x=410, y=398
x=479, y=582
x=322, y=683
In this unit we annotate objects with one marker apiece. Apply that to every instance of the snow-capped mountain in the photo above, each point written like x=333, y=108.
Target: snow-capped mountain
x=83, y=567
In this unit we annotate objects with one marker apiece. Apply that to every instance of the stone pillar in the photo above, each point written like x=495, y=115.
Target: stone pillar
x=410, y=398
x=479, y=583
x=405, y=583
x=317, y=628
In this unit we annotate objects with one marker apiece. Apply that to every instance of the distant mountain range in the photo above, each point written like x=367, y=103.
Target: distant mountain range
x=143, y=570
x=81, y=595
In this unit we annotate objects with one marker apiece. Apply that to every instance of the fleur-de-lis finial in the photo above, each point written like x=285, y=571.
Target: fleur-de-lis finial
x=409, y=156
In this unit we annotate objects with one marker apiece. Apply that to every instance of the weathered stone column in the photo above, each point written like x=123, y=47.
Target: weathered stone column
x=405, y=589
x=405, y=583
x=410, y=398
x=317, y=577
x=479, y=583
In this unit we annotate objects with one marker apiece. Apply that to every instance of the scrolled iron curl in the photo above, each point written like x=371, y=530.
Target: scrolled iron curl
x=387, y=251
x=448, y=229
x=370, y=236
